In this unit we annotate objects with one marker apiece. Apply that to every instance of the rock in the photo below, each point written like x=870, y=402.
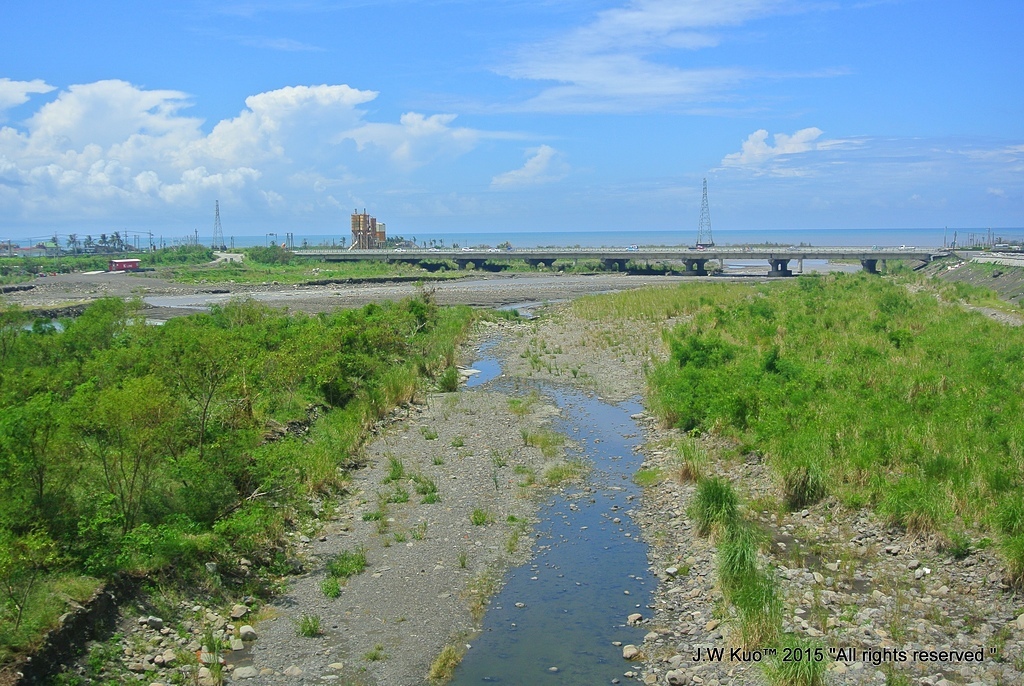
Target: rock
x=237, y=644
x=630, y=651
x=247, y=633
x=293, y=671
x=136, y=667
x=913, y=564
x=672, y=571
x=677, y=677
x=245, y=673
x=1020, y=622
x=238, y=611
x=634, y=619
x=154, y=623
x=337, y=666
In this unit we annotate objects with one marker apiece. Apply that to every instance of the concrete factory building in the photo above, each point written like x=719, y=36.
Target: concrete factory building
x=367, y=232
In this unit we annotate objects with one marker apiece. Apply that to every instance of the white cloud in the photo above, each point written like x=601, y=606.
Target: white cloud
x=543, y=165
x=102, y=147
x=756, y=151
x=13, y=93
x=610, y=64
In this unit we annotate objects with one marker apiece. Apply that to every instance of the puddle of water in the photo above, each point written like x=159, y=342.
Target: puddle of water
x=488, y=366
x=588, y=572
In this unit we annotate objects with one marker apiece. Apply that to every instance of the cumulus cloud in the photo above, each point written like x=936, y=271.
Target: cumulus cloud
x=101, y=147
x=13, y=93
x=543, y=165
x=756, y=151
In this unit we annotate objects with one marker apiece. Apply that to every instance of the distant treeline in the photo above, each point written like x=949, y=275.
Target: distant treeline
x=13, y=269
x=129, y=448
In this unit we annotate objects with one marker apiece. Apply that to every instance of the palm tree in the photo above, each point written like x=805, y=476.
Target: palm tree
x=88, y=243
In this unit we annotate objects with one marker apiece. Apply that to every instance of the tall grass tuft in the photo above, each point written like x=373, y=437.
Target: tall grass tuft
x=691, y=462
x=803, y=485
x=448, y=382
x=759, y=608
x=785, y=669
x=1013, y=552
x=715, y=507
x=737, y=558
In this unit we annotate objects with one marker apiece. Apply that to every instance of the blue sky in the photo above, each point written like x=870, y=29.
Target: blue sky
x=509, y=115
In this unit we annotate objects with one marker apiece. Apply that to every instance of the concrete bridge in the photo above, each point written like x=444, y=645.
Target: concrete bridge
x=693, y=259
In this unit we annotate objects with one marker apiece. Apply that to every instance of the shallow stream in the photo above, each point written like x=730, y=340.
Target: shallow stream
x=557, y=617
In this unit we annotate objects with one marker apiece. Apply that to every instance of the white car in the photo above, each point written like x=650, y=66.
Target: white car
x=467, y=250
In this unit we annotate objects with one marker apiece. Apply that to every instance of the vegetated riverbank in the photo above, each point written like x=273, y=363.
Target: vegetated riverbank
x=165, y=452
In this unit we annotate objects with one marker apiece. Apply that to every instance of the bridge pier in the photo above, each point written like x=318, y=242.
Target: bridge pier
x=695, y=267
x=871, y=266
x=465, y=263
x=800, y=265
x=780, y=267
x=616, y=265
x=538, y=263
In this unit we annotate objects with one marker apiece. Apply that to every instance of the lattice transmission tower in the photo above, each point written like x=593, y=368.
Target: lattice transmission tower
x=218, y=232
x=704, y=230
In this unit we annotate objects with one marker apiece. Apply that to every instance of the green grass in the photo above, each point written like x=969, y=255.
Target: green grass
x=399, y=495
x=480, y=517
x=309, y=626
x=396, y=470
x=347, y=563
x=548, y=442
x=646, y=477
x=799, y=663
x=331, y=587
x=715, y=507
x=572, y=470
x=690, y=463
x=448, y=382
x=854, y=388
x=428, y=433
x=376, y=655
x=443, y=667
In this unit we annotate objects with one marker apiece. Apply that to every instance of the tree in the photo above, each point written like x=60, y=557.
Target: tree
x=73, y=242
x=27, y=433
x=129, y=430
x=23, y=560
x=200, y=362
